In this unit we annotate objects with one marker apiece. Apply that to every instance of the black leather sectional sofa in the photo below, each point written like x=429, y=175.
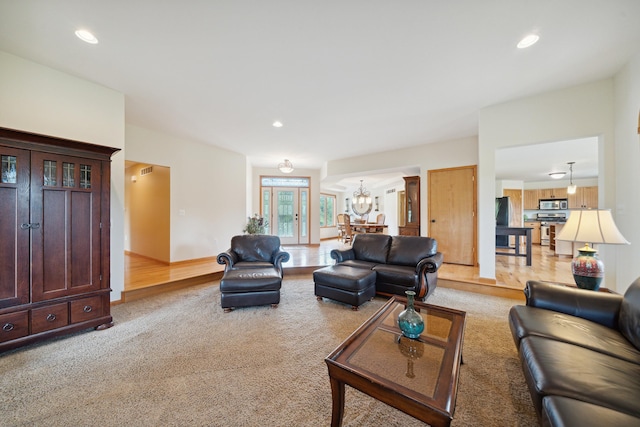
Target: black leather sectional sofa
x=580, y=354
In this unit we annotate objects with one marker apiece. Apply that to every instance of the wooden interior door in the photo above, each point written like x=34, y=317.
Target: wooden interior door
x=452, y=213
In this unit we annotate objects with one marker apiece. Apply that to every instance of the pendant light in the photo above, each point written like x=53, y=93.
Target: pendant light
x=571, y=189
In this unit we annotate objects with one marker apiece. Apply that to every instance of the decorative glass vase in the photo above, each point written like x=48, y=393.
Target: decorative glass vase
x=410, y=321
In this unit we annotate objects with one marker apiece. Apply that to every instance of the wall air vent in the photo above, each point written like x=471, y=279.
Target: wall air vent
x=393, y=190
x=146, y=171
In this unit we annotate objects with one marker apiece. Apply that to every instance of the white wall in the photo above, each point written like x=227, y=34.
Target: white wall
x=207, y=184
x=38, y=99
x=627, y=171
x=572, y=113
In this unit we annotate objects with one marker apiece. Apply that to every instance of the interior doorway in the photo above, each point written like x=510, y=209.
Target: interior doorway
x=147, y=219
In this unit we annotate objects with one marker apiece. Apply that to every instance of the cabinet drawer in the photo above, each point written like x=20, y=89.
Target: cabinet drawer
x=50, y=317
x=86, y=309
x=14, y=325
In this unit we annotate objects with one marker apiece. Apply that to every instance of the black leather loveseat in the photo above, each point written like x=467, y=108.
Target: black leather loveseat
x=382, y=264
x=580, y=353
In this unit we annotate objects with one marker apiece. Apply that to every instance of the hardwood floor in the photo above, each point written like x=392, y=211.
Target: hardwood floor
x=144, y=277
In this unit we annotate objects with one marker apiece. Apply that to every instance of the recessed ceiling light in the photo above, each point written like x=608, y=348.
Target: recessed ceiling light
x=529, y=40
x=86, y=36
x=277, y=124
x=557, y=175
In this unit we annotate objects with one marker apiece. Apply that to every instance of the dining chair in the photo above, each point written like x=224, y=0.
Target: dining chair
x=340, y=226
x=380, y=221
x=347, y=236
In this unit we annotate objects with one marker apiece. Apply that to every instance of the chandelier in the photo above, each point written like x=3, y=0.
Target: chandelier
x=286, y=166
x=361, y=203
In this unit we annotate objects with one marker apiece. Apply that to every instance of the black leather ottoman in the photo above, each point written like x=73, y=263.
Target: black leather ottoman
x=250, y=286
x=349, y=285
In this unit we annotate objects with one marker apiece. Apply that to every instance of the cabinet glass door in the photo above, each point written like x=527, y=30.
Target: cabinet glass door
x=14, y=226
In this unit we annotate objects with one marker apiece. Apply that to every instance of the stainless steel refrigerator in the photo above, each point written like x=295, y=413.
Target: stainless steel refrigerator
x=503, y=217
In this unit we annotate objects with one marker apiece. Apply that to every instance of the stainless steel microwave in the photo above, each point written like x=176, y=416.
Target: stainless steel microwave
x=552, y=204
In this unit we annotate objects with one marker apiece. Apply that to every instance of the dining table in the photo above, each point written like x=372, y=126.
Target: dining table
x=369, y=228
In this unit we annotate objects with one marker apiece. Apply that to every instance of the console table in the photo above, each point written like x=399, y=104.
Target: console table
x=517, y=232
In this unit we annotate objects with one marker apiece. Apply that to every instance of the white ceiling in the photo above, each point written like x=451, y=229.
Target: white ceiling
x=343, y=76
x=534, y=163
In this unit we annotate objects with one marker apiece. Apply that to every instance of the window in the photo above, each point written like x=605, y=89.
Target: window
x=327, y=210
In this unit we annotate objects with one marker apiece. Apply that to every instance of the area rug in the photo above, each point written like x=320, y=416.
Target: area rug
x=177, y=360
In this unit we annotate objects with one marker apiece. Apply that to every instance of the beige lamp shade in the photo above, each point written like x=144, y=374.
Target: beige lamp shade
x=592, y=226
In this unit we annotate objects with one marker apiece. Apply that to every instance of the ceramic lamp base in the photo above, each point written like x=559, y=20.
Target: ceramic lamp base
x=587, y=269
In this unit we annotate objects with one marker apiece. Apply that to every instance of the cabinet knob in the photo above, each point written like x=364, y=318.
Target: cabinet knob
x=51, y=317
x=87, y=309
x=8, y=327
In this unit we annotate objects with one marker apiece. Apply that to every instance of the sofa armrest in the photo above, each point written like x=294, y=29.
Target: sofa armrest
x=228, y=258
x=599, y=307
x=280, y=257
x=341, y=256
x=430, y=264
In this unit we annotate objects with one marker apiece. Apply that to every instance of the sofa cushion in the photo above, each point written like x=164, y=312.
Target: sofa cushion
x=368, y=265
x=255, y=247
x=629, y=319
x=560, y=411
x=557, y=368
x=396, y=274
x=409, y=250
x=371, y=247
x=525, y=321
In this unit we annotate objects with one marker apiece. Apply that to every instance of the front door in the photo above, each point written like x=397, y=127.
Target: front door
x=452, y=213
x=287, y=210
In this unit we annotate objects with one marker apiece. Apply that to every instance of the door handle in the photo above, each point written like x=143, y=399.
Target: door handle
x=433, y=220
x=26, y=226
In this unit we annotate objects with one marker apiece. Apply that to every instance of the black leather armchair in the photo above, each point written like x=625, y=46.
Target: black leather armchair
x=254, y=251
x=252, y=272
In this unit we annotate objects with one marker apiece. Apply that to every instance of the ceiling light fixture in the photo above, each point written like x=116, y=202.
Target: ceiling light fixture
x=557, y=175
x=286, y=166
x=277, y=124
x=571, y=189
x=528, y=41
x=86, y=36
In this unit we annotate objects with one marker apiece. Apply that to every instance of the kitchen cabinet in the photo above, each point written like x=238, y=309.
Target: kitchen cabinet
x=535, y=232
x=412, y=207
x=552, y=193
x=530, y=199
x=55, y=223
x=584, y=197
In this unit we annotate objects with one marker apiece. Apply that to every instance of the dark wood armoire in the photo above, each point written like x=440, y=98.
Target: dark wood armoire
x=55, y=225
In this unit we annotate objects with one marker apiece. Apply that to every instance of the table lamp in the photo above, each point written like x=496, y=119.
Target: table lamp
x=590, y=226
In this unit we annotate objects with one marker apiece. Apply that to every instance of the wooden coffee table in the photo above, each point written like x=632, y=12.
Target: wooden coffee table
x=418, y=377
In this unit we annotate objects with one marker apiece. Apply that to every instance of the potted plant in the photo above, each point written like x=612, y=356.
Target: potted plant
x=256, y=225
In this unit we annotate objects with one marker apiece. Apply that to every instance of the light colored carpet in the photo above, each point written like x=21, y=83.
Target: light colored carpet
x=178, y=360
